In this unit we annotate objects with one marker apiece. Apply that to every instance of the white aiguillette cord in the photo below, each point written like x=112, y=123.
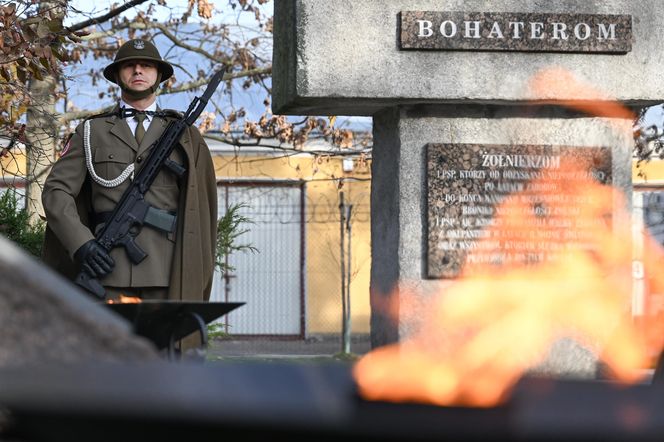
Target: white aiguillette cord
x=127, y=173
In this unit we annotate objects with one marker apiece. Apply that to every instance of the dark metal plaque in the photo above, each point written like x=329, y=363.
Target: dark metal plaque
x=467, y=182
x=506, y=31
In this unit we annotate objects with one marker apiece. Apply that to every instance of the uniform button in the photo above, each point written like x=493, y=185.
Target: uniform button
x=110, y=156
x=139, y=159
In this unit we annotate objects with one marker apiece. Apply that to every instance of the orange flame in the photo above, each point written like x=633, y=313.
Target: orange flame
x=551, y=83
x=570, y=277
x=490, y=327
x=125, y=300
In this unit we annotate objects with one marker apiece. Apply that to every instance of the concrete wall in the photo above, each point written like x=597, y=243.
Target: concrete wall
x=342, y=57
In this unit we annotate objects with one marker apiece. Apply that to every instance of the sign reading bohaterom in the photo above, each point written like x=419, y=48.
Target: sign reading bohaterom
x=505, y=31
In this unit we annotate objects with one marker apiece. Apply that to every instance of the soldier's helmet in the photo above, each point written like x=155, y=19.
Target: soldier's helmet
x=138, y=49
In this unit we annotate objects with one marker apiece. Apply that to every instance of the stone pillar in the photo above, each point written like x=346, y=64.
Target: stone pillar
x=428, y=77
x=399, y=181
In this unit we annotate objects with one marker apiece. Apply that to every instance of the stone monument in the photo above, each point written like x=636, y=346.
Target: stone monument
x=45, y=319
x=458, y=83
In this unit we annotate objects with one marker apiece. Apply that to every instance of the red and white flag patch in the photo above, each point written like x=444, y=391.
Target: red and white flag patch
x=66, y=148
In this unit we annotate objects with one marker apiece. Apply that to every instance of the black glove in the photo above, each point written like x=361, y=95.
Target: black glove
x=94, y=259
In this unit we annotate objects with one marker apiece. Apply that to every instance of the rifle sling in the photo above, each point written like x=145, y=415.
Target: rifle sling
x=159, y=219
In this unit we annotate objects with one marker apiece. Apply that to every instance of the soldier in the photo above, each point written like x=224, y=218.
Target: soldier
x=93, y=171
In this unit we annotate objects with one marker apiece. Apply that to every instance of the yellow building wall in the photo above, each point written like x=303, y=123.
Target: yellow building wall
x=648, y=172
x=322, y=175
x=13, y=164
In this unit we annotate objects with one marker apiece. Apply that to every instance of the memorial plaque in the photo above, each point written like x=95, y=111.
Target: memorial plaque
x=505, y=31
x=467, y=183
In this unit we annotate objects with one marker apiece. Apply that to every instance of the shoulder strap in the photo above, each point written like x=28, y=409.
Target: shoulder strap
x=102, y=115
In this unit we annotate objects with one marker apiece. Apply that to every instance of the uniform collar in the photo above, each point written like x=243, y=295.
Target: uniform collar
x=149, y=111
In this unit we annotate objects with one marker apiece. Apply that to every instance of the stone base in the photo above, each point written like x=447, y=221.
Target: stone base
x=45, y=319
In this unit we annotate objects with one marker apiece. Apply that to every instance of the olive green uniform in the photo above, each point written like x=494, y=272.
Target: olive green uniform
x=181, y=261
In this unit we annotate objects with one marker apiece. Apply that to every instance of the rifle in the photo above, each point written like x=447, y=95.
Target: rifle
x=132, y=209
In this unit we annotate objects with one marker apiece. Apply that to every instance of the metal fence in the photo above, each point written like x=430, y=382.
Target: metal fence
x=310, y=266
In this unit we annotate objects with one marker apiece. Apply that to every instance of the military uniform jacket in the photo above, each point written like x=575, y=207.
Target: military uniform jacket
x=183, y=260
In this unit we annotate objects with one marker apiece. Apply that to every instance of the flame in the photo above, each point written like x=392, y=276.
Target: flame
x=125, y=300
x=550, y=83
x=480, y=334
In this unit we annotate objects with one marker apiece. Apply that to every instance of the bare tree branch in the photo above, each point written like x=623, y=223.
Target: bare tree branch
x=164, y=29
x=229, y=76
x=103, y=18
x=233, y=141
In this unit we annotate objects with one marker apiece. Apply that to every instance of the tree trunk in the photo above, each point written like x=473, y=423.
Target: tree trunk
x=41, y=134
x=41, y=130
